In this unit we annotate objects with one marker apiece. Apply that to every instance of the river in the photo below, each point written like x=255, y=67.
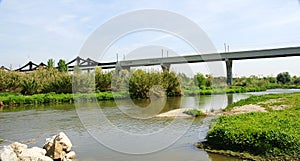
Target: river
x=32, y=125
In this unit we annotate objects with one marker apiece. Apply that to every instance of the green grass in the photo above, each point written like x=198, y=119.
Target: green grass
x=272, y=135
x=194, y=112
x=19, y=99
x=232, y=89
x=288, y=99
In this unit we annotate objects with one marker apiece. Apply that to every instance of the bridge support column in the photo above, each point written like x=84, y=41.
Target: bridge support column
x=165, y=67
x=126, y=68
x=229, y=99
x=229, y=71
x=118, y=69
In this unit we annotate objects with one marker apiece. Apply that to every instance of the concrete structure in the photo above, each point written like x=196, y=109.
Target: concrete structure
x=165, y=62
x=228, y=57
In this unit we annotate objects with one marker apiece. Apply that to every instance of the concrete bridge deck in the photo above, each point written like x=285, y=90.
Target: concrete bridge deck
x=228, y=57
x=166, y=62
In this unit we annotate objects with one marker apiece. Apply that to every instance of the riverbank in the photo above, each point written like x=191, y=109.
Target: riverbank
x=218, y=90
x=15, y=99
x=258, y=128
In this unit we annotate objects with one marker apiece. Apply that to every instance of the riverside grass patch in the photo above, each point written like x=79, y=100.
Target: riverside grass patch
x=231, y=89
x=19, y=99
x=194, y=112
x=272, y=135
x=290, y=99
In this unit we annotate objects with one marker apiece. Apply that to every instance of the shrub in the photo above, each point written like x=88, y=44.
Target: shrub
x=283, y=78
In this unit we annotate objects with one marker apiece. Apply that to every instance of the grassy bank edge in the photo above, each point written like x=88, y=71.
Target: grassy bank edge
x=14, y=99
x=244, y=156
x=228, y=90
x=291, y=99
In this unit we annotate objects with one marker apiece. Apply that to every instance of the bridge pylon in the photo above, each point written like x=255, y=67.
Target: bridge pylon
x=165, y=67
x=229, y=71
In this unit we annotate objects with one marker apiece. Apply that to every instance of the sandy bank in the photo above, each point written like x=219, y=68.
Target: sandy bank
x=175, y=113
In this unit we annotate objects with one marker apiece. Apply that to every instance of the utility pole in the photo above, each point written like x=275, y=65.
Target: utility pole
x=162, y=53
x=225, y=47
x=117, y=57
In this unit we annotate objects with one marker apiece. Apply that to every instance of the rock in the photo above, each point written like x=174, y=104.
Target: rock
x=39, y=150
x=17, y=151
x=56, y=148
x=59, y=147
x=49, y=146
x=71, y=155
x=62, y=139
x=7, y=154
x=59, y=153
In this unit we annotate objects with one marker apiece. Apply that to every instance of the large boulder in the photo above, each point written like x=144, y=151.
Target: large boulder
x=56, y=148
x=17, y=151
x=59, y=147
x=7, y=154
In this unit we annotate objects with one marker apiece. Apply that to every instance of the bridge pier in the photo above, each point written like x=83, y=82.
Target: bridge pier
x=119, y=68
x=165, y=67
x=229, y=71
x=126, y=68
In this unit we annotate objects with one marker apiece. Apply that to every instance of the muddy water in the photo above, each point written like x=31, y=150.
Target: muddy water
x=32, y=125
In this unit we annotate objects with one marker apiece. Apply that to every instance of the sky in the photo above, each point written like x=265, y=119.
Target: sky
x=39, y=30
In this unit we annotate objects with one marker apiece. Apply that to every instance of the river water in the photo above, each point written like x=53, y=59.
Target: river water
x=31, y=125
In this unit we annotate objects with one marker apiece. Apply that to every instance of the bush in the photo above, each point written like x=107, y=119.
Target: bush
x=283, y=78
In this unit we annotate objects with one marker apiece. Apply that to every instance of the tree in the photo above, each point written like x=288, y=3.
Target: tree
x=50, y=64
x=199, y=80
x=209, y=80
x=62, y=66
x=297, y=81
x=102, y=80
x=283, y=78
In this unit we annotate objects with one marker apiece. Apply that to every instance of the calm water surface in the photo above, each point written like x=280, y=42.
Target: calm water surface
x=32, y=125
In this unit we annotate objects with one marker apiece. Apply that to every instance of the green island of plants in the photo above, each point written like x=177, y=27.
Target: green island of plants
x=194, y=112
x=272, y=135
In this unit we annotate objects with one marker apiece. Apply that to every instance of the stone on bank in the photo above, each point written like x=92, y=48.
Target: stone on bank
x=56, y=148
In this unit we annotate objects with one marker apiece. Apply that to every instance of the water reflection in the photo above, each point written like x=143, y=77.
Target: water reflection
x=218, y=157
x=229, y=99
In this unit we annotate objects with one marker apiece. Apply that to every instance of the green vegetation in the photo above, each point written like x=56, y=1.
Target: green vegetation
x=62, y=66
x=1, y=141
x=18, y=99
x=194, y=112
x=283, y=78
x=221, y=90
x=139, y=83
x=271, y=135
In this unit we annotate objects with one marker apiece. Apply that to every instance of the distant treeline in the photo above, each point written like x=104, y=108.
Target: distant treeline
x=139, y=83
